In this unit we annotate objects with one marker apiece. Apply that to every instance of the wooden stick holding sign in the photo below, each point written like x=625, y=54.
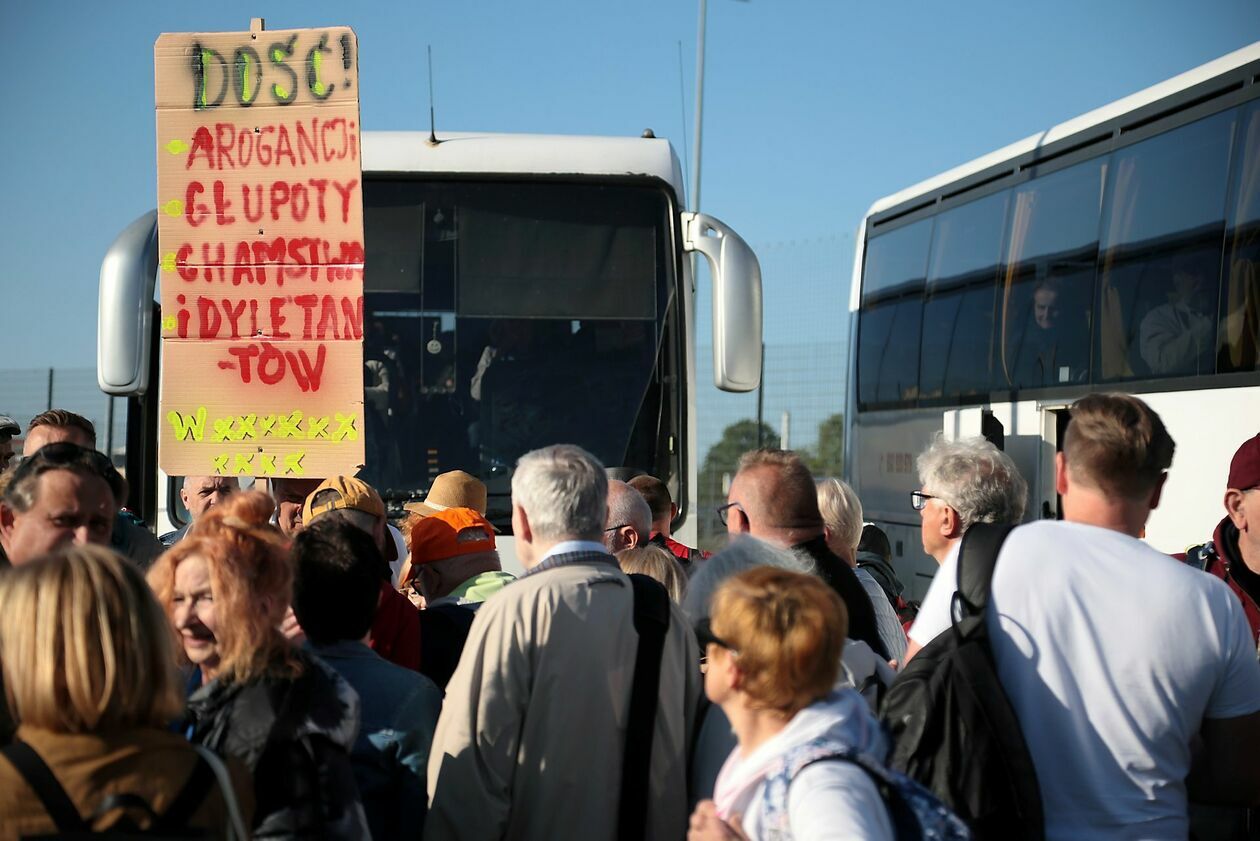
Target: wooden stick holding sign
x=260, y=232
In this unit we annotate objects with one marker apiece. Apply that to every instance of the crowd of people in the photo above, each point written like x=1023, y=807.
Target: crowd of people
x=292, y=664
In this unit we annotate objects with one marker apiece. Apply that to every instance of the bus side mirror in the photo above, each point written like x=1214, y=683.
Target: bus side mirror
x=736, y=301
x=125, y=313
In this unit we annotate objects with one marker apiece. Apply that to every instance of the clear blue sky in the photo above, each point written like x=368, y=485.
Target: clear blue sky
x=813, y=109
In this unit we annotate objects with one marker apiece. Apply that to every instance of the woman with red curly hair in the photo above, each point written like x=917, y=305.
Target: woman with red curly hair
x=287, y=716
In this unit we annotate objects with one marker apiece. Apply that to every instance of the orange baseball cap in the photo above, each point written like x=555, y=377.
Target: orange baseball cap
x=449, y=534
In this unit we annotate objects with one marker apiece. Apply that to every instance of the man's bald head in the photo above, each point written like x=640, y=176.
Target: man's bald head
x=776, y=496
x=201, y=493
x=629, y=522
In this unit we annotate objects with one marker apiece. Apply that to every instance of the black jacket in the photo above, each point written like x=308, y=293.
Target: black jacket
x=295, y=737
x=844, y=581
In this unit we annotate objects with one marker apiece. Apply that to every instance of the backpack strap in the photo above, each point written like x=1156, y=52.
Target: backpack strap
x=651, y=621
x=977, y=558
x=913, y=811
x=40, y=778
x=179, y=814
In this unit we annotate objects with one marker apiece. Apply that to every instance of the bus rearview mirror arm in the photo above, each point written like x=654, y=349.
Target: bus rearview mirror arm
x=736, y=300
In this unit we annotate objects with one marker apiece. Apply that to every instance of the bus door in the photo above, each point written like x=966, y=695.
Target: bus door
x=1027, y=432
x=1050, y=505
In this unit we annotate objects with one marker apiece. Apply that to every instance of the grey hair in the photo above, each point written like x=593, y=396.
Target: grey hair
x=743, y=552
x=841, y=511
x=976, y=479
x=564, y=491
x=626, y=506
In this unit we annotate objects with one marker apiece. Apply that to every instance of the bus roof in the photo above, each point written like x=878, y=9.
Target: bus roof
x=486, y=153
x=1120, y=107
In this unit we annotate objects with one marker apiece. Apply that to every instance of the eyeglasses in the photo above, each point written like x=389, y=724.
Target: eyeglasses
x=723, y=511
x=706, y=637
x=919, y=500
x=614, y=528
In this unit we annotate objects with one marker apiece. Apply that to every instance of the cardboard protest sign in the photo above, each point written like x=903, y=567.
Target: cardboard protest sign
x=260, y=232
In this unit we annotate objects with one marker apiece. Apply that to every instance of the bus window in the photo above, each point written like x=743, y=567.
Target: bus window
x=1048, y=279
x=1239, y=341
x=889, y=319
x=888, y=352
x=896, y=261
x=487, y=301
x=1159, y=272
x=956, y=355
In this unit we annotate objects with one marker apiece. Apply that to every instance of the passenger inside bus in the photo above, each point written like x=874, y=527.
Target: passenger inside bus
x=1176, y=337
x=1052, y=346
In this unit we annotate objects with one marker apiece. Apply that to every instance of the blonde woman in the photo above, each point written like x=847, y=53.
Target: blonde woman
x=256, y=696
x=657, y=563
x=89, y=673
x=842, y=529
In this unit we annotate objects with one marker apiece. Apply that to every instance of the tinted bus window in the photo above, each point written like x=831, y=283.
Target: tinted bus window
x=1160, y=264
x=1238, y=343
x=956, y=356
x=896, y=261
x=1047, y=284
x=889, y=320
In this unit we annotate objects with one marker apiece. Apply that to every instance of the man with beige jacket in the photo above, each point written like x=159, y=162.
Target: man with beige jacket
x=531, y=737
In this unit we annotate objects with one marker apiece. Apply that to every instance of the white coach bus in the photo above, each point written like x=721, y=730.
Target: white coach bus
x=519, y=291
x=1118, y=251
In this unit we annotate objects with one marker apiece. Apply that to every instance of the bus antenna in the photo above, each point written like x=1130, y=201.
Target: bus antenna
x=433, y=141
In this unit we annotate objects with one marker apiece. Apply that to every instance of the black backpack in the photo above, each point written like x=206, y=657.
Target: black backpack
x=172, y=824
x=953, y=727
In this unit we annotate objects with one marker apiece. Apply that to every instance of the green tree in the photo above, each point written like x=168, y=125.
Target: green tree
x=826, y=458
x=719, y=466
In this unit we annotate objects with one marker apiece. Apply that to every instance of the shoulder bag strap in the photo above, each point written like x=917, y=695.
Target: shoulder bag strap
x=235, y=821
x=977, y=558
x=190, y=797
x=40, y=778
x=651, y=620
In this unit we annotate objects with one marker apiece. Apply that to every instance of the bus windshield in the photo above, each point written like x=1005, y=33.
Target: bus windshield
x=505, y=316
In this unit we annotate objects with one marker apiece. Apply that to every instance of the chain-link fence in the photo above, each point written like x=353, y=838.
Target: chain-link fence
x=25, y=393
x=801, y=401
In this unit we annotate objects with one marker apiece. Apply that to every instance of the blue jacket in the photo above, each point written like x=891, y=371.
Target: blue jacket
x=399, y=711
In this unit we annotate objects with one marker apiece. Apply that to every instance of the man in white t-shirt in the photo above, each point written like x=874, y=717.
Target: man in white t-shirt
x=1115, y=656
x=963, y=482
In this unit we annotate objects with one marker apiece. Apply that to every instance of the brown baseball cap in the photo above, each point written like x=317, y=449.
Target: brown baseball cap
x=1244, y=470
x=350, y=494
x=453, y=489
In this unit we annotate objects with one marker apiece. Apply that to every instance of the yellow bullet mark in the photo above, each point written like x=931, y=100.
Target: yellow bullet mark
x=174, y=207
x=177, y=147
x=168, y=262
x=168, y=323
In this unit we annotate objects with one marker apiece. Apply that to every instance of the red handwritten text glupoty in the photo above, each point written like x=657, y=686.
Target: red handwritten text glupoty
x=295, y=200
